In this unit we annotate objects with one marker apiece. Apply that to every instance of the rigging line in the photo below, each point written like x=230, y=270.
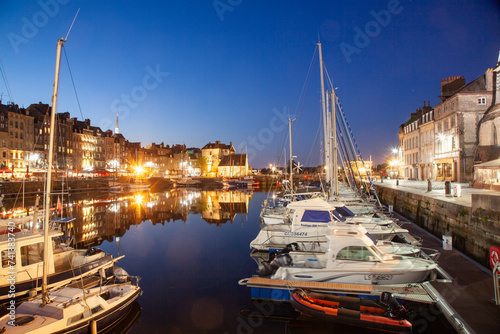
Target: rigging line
x=73, y=82
x=3, y=69
x=305, y=86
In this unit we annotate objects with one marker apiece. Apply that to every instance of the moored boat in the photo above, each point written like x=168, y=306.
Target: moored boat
x=386, y=316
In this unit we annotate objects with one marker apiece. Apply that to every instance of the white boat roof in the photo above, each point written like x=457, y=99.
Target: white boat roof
x=27, y=236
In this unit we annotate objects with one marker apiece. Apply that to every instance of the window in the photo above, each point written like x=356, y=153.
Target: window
x=6, y=258
x=453, y=106
x=31, y=254
x=356, y=253
x=445, y=125
x=453, y=143
x=481, y=101
x=440, y=128
x=453, y=122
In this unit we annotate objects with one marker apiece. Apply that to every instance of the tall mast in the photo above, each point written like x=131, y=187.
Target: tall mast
x=49, y=174
x=325, y=126
x=334, y=135
x=291, y=157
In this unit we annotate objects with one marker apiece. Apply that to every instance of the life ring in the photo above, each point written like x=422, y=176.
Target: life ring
x=494, y=256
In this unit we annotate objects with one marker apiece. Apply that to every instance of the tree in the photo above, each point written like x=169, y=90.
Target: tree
x=202, y=163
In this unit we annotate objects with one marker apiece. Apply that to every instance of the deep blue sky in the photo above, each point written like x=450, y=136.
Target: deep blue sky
x=220, y=73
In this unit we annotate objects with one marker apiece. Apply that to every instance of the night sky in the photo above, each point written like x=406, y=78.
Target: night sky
x=190, y=72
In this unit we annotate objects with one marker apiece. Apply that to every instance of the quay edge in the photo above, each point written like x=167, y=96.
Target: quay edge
x=474, y=228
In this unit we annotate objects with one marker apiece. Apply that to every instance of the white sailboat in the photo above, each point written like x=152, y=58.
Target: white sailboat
x=68, y=309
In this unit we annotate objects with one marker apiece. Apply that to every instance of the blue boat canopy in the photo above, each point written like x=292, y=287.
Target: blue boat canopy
x=345, y=211
x=337, y=215
x=316, y=216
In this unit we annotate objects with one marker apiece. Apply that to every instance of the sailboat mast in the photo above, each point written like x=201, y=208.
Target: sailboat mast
x=291, y=163
x=325, y=125
x=334, y=135
x=49, y=173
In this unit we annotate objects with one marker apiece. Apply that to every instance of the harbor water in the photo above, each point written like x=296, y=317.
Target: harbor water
x=190, y=248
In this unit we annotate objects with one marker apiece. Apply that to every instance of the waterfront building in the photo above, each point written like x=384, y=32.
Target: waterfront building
x=456, y=122
x=16, y=126
x=411, y=144
x=487, y=159
x=233, y=165
x=426, y=165
x=213, y=153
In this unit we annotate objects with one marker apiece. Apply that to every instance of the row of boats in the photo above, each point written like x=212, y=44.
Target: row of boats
x=68, y=290
x=86, y=291
x=307, y=237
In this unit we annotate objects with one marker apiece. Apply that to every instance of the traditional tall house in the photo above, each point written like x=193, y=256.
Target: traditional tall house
x=456, y=122
x=487, y=159
x=213, y=153
x=426, y=165
x=16, y=128
x=233, y=165
x=411, y=140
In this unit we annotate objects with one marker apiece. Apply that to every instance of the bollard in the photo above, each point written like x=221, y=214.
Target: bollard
x=397, y=182
x=381, y=180
x=429, y=185
x=447, y=188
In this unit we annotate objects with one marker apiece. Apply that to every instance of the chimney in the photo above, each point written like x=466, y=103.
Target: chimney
x=450, y=85
x=489, y=79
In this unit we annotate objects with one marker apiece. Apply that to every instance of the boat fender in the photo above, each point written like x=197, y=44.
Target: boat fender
x=265, y=269
x=282, y=260
x=92, y=251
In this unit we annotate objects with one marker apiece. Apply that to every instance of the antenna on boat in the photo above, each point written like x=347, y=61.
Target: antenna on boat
x=71, y=26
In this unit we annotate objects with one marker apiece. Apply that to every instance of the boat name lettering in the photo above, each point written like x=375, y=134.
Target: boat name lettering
x=296, y=234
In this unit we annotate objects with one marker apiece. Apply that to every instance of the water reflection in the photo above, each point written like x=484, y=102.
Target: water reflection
x=102, y=219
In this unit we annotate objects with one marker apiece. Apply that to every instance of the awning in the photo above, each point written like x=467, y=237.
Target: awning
x=489, y=164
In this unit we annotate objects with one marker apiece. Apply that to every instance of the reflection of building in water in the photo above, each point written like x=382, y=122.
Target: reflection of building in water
x=171, y=206
x=221, y=207
x=99, y=220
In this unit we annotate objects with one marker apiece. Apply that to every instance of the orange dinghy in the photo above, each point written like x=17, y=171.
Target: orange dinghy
x=386, y=315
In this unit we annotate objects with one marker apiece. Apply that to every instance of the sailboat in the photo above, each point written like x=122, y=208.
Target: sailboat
x=67, y=309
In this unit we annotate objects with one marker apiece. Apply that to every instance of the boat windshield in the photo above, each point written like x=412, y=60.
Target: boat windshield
x=377, y=251
x=338, y=216
x=344, y=211
x=372, y=238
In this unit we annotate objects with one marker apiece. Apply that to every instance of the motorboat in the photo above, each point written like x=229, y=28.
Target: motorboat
x=353, y=258
x=22, y=254
x=310, y=221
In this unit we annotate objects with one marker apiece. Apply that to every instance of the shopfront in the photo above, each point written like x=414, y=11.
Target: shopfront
x=446, y=169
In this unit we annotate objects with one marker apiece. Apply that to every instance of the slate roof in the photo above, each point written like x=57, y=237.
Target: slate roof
x=233, y=160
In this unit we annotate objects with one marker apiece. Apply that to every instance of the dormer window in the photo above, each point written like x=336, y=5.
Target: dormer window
x=481, y=101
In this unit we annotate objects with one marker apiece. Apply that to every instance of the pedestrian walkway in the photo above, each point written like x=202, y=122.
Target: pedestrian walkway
x=471, y=293
x=438, y=190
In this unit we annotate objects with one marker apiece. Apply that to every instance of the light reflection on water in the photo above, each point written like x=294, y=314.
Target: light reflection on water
x=190, y=248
